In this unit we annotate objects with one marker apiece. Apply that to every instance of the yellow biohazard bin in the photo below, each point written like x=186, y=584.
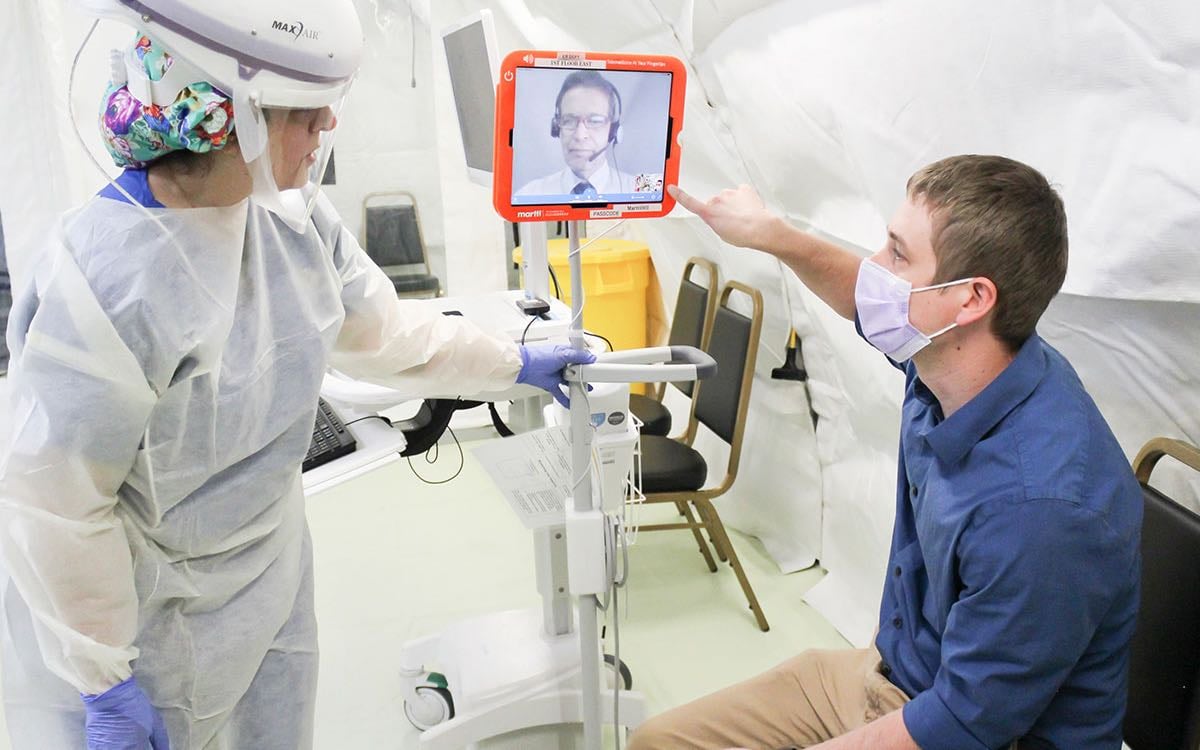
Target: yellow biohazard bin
x=616, y=274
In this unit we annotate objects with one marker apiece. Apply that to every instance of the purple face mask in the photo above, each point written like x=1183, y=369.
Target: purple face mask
x=881, y=298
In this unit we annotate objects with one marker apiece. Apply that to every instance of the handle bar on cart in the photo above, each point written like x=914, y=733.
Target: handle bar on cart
x=656, y=364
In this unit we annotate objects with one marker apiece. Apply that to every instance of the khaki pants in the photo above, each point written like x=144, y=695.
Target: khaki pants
x=806, y=700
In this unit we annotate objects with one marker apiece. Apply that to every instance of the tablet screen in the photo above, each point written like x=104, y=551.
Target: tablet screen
x=589, y=136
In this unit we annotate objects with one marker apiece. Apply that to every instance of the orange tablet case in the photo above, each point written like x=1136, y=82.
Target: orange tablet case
x=502, y=184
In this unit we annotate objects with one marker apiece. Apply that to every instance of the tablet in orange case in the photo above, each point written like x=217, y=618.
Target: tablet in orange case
x=586, y=135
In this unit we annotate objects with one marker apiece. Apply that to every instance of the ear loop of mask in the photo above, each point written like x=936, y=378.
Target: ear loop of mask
x=940, y=331
x=943, y=285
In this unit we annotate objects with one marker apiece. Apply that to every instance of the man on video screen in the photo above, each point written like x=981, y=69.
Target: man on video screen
x=587, y=124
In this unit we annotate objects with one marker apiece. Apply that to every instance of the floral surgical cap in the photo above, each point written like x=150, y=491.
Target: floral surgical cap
x=135, y=133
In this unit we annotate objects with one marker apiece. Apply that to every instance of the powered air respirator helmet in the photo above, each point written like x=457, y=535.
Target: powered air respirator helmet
x=272, y=58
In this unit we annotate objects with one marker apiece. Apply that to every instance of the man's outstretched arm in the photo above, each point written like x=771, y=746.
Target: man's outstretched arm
x=740, y=218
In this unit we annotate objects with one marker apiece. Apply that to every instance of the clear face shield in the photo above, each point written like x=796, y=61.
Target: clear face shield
x=287, y=149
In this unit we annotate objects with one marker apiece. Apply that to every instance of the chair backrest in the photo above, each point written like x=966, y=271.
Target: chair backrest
x=695, y=305
x=721, y=402
x=392, y=230
x=1164, y=702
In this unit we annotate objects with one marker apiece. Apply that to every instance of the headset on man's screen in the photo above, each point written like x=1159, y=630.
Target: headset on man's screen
x=592, y=80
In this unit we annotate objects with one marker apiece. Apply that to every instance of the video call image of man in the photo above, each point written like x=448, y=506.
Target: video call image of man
x=587, y=124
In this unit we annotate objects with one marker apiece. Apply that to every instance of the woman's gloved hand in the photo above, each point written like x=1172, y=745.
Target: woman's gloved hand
x=542, y=365
x=122, y=718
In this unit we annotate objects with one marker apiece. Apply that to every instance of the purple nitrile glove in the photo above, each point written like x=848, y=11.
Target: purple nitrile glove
x=122, y=718
x=542, y=365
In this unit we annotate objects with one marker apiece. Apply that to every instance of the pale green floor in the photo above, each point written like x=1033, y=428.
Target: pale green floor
x=397, y=559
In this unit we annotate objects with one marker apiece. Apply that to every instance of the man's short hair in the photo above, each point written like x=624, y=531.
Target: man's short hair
x=590, y=79
x=998, y=218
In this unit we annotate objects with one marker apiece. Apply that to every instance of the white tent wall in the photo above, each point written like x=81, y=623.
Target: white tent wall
x=385, y=139
x=826, y=109
x=43, y=174
x=1100, y=97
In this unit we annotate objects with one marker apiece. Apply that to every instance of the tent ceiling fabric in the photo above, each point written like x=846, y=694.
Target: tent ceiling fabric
x=827, y=109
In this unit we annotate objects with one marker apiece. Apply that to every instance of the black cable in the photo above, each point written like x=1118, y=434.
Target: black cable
x=462, y=461
x=380, y=417
x=527, y=325
x=602, y=338
x=554, y=278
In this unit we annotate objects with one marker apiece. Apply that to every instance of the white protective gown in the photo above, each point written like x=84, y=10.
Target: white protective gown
x=163, y=391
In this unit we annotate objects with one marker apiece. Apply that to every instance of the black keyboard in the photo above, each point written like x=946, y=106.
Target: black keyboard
x=330, y=438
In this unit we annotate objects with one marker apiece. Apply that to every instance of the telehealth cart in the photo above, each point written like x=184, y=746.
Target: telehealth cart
x=578, y=136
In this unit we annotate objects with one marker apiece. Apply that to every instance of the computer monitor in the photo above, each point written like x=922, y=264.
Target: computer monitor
x=474, y=68
x=587, y=135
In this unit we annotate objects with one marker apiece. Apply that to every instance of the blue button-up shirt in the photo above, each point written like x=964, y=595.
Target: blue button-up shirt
x=1012, y=585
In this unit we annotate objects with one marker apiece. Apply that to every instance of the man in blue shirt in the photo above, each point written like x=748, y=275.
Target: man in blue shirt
x=1012, y=584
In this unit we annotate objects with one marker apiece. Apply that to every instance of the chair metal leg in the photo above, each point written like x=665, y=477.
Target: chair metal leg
x=722, y=551
x=717, y=529
x=686, y=512
x=682, y=506
x=713, y=537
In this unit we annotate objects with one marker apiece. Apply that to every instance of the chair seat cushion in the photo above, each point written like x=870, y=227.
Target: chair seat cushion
x=656, y=418
x=670, y=466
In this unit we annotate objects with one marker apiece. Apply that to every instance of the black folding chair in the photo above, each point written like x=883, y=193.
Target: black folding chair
x=691, y=325
x=1164, y=704
x=392, y=238
x=674, y=472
